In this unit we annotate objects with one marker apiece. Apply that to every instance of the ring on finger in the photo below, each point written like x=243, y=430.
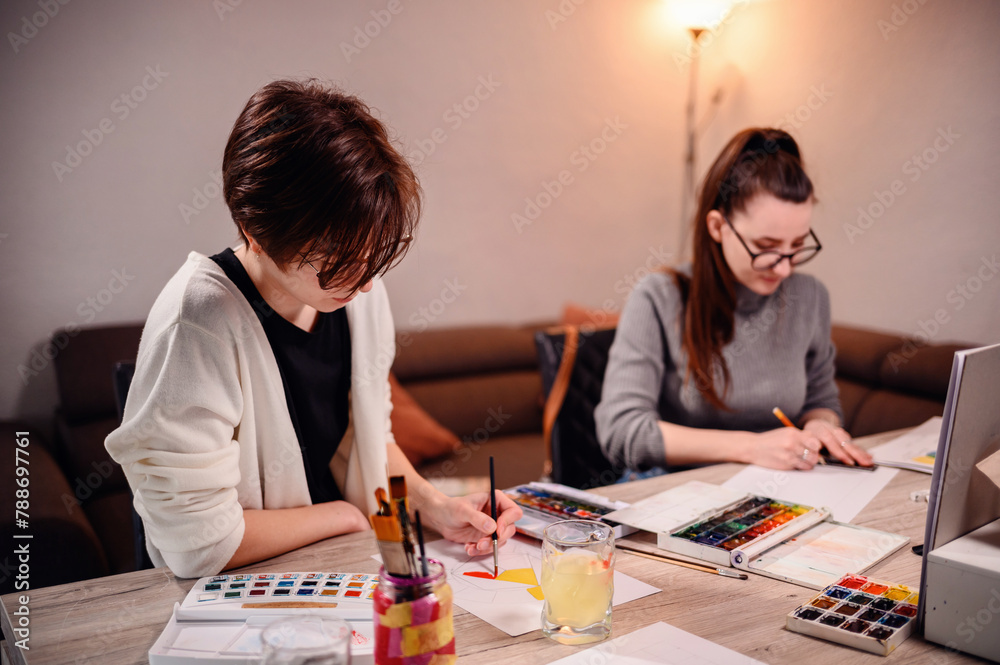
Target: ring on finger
x=843, y=444
x=805, y=454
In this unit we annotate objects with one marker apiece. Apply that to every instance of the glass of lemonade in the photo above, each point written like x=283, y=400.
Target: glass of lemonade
x=578, y=563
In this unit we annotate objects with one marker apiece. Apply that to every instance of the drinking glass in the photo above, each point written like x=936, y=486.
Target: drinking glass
x=308, y=639
x=578, y=563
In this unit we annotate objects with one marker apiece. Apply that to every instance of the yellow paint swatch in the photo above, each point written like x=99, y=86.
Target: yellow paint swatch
x=536, y=591
x=519, y=575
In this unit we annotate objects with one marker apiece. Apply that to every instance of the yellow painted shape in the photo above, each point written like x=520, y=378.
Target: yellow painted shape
x=519, y=575
x=536, y=591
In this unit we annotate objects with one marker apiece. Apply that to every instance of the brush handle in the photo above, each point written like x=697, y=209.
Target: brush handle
x=493, y=496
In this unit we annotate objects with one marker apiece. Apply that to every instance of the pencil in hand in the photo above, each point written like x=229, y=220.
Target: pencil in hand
x=780, y=415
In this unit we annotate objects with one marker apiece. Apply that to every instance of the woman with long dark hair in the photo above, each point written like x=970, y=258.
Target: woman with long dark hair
x=705, y=351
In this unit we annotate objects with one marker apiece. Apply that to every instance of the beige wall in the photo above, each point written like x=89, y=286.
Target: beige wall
x=607, y=76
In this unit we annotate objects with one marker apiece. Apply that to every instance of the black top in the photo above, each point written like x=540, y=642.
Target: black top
x=315, y=371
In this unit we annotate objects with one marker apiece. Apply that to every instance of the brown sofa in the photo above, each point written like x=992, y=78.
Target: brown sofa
x=481, y=383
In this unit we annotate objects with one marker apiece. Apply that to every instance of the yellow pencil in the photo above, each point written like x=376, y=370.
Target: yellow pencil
x=788, y=423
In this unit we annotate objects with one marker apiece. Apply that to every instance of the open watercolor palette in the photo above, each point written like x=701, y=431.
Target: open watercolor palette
x=859, y=612
x=221, y=618
x=545, y=503
x=772, y=537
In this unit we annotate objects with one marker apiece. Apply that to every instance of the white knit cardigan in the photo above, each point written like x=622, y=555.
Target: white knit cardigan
x=207, y=433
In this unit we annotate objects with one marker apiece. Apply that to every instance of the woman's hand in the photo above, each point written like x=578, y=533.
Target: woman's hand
x=785, y=448
x=466, y=520
x=838, y=442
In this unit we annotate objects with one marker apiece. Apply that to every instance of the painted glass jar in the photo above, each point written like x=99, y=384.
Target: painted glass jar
x=413, y=619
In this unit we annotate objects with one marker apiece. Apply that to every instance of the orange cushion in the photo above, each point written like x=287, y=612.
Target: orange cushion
x=418, y=435
x=578, y=315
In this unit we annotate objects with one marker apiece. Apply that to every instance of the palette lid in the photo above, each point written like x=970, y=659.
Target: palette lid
x=822, y=554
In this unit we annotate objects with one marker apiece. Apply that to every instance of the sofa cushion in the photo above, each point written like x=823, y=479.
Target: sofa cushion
x=462, y=351
x=578, y=315
x=884, y=411
x=418, y=435
x=852, y=396
x=517, y=459
x=83, y=369
x=861, y=353
x=89, y=468
x=922, y=370
x=483, y=406
x=111, y=515
x=64, y=546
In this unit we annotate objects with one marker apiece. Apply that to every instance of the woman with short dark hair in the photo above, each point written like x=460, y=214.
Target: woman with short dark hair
x=704, y=352
x=258, y=418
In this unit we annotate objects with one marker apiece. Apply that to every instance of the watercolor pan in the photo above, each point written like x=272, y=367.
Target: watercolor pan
x=855, y=623
x=764, y=535
x=545, y=503
x=721, y=536
x=222, y=617
x=233, y=597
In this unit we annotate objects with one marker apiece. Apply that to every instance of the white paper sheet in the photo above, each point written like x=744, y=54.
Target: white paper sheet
x=914, y=450
x=509, y=605
x=844, y=491
x=658, y=643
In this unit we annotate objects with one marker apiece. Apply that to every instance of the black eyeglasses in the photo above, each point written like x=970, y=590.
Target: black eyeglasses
x=764, y=261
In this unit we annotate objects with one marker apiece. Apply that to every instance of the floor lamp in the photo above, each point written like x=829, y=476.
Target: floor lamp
x=690, y=140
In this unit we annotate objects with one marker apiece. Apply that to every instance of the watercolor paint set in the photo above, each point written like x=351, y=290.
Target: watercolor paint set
x=545, y=503
x=772, y=537
x=859, y=612
x=221, y=618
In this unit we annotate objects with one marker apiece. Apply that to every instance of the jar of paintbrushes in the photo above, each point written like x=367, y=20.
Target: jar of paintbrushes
x=413, y=617
x=413, y=601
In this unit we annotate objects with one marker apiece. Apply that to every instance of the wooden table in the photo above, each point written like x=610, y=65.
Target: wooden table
x=113, y=620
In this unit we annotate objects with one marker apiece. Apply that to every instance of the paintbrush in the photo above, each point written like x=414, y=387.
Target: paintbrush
x=400, y=504
x=383, y=501
x=390, y=545
x=725, y=572
x=420, y=541
x=493, y=514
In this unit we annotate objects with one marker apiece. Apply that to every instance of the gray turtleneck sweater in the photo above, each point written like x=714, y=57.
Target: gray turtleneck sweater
x=781, y=355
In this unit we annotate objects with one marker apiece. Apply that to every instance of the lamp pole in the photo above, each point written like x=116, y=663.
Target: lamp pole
x=687, y=193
